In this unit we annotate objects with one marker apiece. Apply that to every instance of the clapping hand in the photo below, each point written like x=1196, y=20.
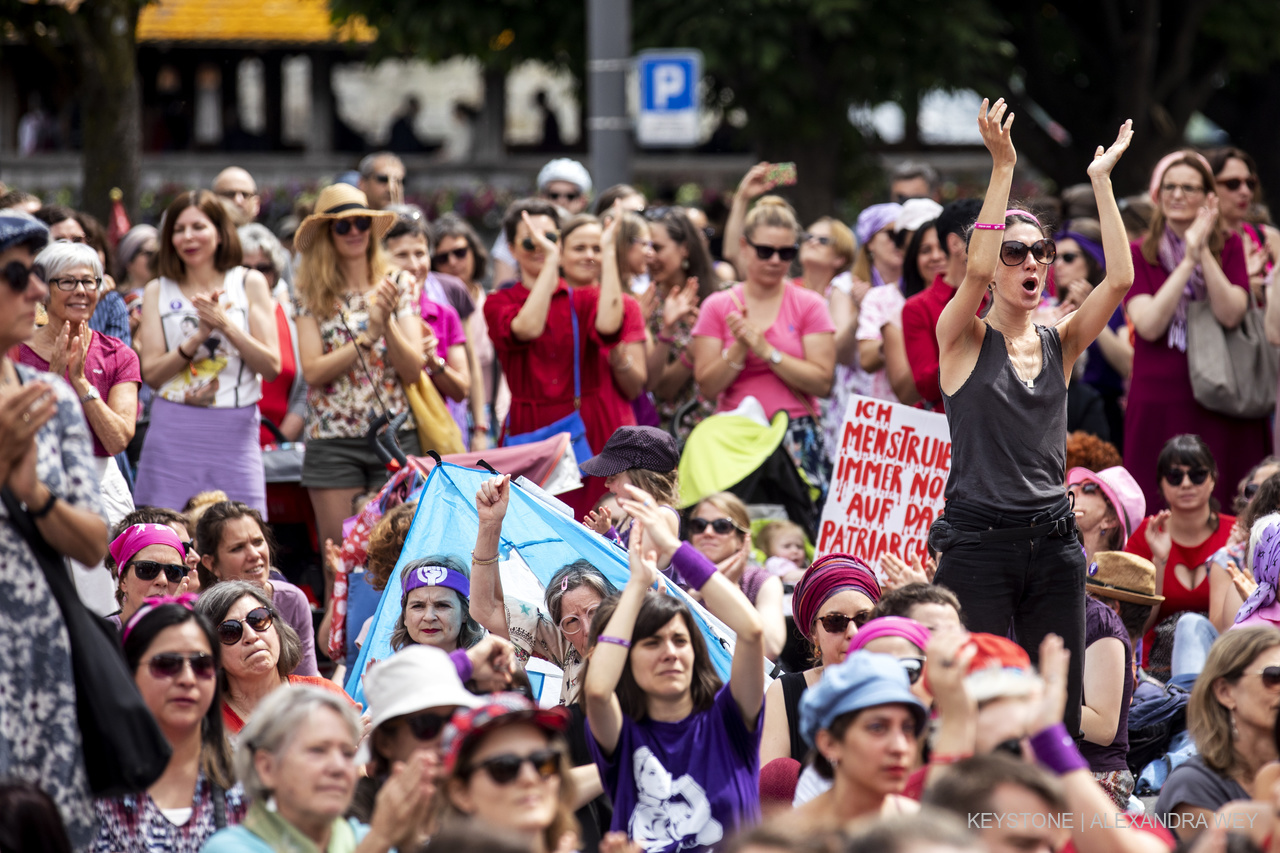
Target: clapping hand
x=1197, y=235
x=1159, y=539
x=680, y=306
x=213, y=316
x=746, y=332
x=540, y=240
x=599, y=520
x=382, y=302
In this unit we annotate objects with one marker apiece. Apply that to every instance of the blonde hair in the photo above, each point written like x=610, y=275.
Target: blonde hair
x=319, y=280
x=771, y=211
x=775, y=530
x=1209, y=722
x=631, y=227
x=664, y=486
x=844, y=244
x=731, y=505
x=1155, y=230
x=198, y=503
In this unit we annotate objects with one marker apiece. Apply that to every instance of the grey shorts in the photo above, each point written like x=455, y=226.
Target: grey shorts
x=350, y=463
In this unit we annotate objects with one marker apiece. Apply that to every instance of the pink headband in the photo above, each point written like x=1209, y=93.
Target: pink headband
x=1028, y=214
x=1157, y=176
x=891, y=626
x=187, y=600
x=139, y=536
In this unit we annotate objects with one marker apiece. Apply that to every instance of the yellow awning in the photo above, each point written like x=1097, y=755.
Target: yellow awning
x=246, y=21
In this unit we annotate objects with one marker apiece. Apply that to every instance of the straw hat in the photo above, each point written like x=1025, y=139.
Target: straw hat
x=339, y=201
x=1124, y=577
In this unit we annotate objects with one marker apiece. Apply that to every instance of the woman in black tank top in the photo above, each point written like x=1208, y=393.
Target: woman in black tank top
x=1007, y=538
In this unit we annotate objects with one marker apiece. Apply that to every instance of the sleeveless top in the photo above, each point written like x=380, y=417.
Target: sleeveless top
x=1008, y=437
x=793, y=687
x=216, y=359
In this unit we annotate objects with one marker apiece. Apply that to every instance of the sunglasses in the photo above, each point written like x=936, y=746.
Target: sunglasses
x=1250, y=490
x=265, y=269
x=149, y=570
x=571, y=625
x=503, y=769
x=815, y=238
x=388, y=179
x=169, y=665
x=231, y=631
x=1069, y=257
x=441, y=258
x=836, y=623
x=90, y=285
x=427, y=725
x=722, y=526
x=785, y=253
x=528, y=243
x=19, y=275
x=914, y=668
x=900, y=237
x=570, y=196
x=1270, y=677
x=1013, y=253
x=360, y=223
x=1233, y=184
x=1197, y=476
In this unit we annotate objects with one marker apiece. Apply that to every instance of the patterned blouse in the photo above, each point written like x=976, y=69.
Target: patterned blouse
x=135, y=824
x=344, y=407
x=680, y=351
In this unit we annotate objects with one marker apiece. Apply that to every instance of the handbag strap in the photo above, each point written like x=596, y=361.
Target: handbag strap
x=577, y=367
x=46, y=556
x=219, y=797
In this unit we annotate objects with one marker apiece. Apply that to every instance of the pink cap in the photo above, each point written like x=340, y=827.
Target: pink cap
x=1157, y=175
x=1121, y=490
x=890, y=626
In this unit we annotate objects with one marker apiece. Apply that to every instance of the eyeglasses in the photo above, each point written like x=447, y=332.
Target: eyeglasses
x=388, y=179
x=79, y=238
x=90, y=285
x=815, y=238
x=837, y=623
x=18, y=275
x=169, y=665
x=360, y=223
x=1233, y=184
x=1197, y=476
x=1270, y=676
x=503, y=769
x=571, y=625
x=458, y=254
x=914, y=668
x=722, y=526
x=1187, y=189
x=426, y=725
x=149, y=570
x=235, y=195
x=1013, y=253
x=529, y=245
x=265, y=269
x=1069, y=257
x=231, y=631
x=785, y=253
x=569, y=196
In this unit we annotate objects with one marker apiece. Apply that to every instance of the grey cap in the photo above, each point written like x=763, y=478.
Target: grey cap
x=20, y=228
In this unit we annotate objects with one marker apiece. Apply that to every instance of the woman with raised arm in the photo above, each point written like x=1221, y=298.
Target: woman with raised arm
x=1007, y=538
x=678, y=751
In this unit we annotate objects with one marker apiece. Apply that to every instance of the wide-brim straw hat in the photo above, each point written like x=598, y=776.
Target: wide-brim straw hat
x=340, y=201
x=1122, y=576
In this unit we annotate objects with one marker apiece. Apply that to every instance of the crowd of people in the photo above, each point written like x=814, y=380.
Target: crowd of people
x=1088, y=656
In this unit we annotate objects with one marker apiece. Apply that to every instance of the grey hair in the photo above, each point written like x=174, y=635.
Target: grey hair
x=56, y=258
x=368, y=161
x=470, y=631
x=275, y=723
x=909, y=169
x=256, y=237
x=570, y=577
x=215, y=602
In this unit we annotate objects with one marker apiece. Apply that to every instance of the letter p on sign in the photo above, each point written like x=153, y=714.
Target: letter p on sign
x=668, y=83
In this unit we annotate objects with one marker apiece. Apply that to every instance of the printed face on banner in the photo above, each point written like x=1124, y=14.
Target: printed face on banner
x=891, y=468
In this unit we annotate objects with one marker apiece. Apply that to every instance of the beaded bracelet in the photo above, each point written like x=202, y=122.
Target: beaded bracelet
x=617, y=641
x=988, y=226
x=480, y=562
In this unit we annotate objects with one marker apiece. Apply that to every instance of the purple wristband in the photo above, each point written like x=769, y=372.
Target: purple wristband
x=617, y=641
x=692, y=566
x=1056, y=750
x=462, y=664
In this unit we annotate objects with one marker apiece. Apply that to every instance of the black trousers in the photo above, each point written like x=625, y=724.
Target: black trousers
x=1031, y=587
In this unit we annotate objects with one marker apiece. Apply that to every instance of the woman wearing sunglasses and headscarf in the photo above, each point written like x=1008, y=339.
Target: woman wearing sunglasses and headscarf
x=148, y=560
x=1007, y=539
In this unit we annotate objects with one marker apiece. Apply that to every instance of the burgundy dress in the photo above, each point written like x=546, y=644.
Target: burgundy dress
x=1161, y=404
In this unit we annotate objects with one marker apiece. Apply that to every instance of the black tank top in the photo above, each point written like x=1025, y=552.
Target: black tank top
x=1009, y=437
x=794, y=685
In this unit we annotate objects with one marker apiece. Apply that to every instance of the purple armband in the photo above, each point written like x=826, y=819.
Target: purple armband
x=1056, y=750
x=692, y=566
x=462, y=664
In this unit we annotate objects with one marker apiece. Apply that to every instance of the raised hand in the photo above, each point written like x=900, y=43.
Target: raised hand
x=1054, y=660
x=60, y=357
x=946, y=664
x=995, y=128
x=491, y=661
x=382, y=301
x=1105, y=160
x=642, y=558
x=492, y=499
x=609, y=236
x=539, y=238
x=647, y=515
x=1197, y=235
x=430, y=344
x=680, y=306
x=755, y=182
x=1159, y=538
x=76, y=351
x=746, y=333
x=599, y=520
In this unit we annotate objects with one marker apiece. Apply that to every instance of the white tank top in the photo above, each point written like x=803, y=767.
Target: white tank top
x=216, y=360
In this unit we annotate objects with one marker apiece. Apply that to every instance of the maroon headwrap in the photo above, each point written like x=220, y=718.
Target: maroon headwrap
x=827, y=576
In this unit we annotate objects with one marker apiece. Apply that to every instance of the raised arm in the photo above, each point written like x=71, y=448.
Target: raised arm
x=531, y=320
x=488, y=606
x=959, y=330
x=753, y=185
x=609, y=305
x=1083, y=326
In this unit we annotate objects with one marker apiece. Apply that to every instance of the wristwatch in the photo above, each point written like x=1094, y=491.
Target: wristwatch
x=775, y=357
x=91, y=394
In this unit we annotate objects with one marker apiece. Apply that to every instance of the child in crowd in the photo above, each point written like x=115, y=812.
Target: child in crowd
x=642, y=456
x=783, y=545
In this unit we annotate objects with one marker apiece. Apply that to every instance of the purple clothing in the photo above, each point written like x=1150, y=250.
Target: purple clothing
x=1097, y=372
x=1101, y=622
x=296, y=610
x=684, y=786
x=108, y=363
x=753, y=578
x=1161, y=404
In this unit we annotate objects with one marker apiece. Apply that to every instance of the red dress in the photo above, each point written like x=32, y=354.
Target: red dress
x=1161, y=404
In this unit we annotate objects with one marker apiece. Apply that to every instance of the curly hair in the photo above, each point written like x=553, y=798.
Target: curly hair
x=386, y=540
x=1086, y=450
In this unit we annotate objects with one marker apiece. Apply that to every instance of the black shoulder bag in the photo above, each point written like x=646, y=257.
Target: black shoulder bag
x=124, y=749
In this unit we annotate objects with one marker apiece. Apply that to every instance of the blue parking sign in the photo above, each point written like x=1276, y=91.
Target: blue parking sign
x=669, y=97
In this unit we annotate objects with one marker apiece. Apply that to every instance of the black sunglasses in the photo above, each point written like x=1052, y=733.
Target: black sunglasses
x=1233, y=184
x=528, y=243
x=1069, y=257
x=785, y=253
x=19, y=275
x=836, y=623
x=914, y=668
x=231, y=631
x=1250, y=490
x=900, y=237
x=426, y=725
x=265, y=269
x=723, y=526
x=503, y=769
x=360, y=223
x=569, y=196
x=1013, y=253
x=442, y=257
x=1197, y=476
x=169, y=665
x=1270, y=677
x=386, y=179
x=149, y=570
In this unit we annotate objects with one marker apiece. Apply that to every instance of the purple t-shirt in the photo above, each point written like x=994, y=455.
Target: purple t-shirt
x=296, y=610
x=684, y=786
x=108, y=363
x=1100, y=622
